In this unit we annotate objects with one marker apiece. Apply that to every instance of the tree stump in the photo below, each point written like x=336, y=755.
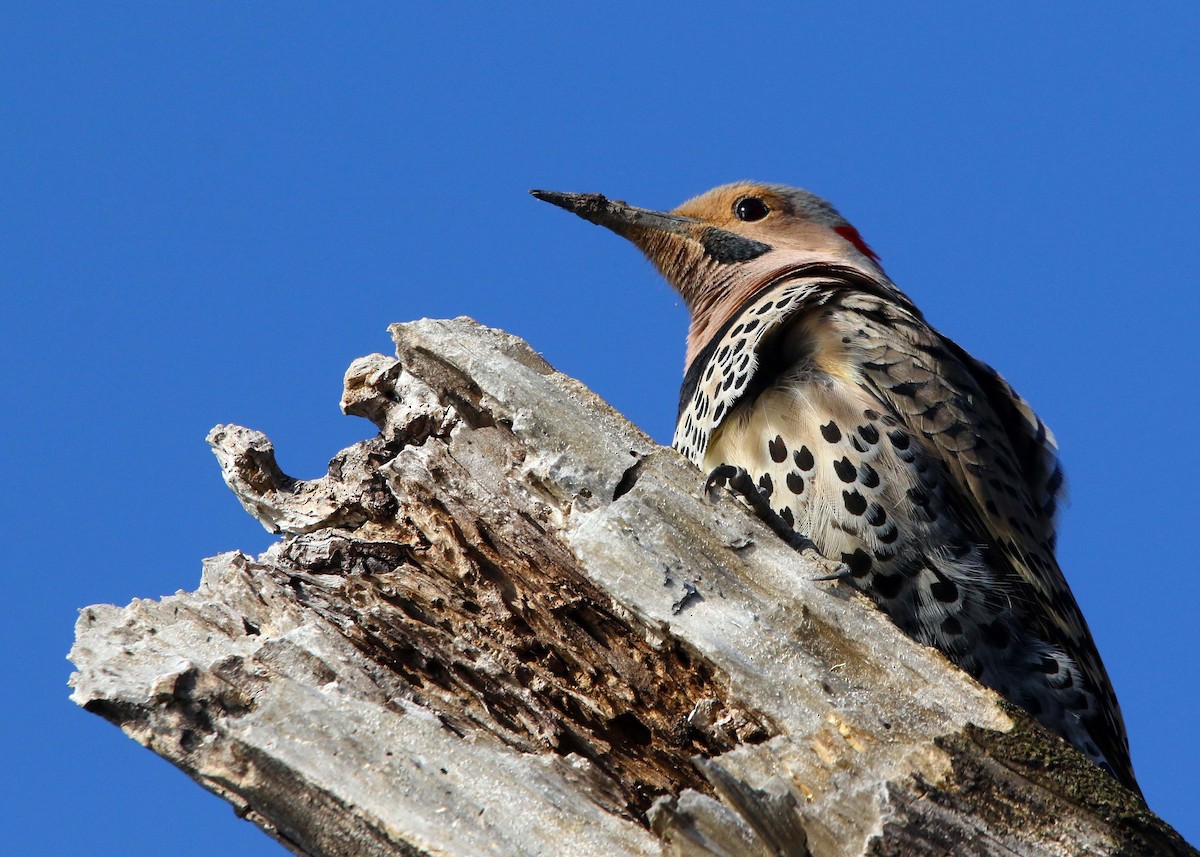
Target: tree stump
x=510, y=624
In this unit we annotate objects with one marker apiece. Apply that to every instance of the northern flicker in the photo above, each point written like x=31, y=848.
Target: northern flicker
x=816, y=389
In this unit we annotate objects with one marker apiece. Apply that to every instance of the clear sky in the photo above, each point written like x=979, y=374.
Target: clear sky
x=209, y=210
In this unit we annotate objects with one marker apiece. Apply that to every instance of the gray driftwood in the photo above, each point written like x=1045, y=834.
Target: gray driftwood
x=509, y=624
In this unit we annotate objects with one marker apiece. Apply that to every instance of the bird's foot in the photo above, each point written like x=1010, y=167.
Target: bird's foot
x=739, y=481
x=834, y=570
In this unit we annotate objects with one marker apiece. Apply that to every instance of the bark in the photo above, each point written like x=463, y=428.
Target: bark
x=510, y=624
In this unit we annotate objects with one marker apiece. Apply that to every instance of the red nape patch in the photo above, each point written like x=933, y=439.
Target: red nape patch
x=851, y=234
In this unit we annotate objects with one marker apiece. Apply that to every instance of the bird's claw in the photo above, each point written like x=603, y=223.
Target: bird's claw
x=739, y=481
x=838, y=571
x=726, y=476
x=834, y=570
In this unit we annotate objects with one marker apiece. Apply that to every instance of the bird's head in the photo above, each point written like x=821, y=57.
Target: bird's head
x=721, y=247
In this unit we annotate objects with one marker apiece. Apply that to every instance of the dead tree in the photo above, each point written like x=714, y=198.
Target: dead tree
x=509, y=624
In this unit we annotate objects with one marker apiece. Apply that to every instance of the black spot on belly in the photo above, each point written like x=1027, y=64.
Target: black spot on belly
x=889, y=535
x=899, y=439
x=876, y=516
x=856, y=503
x=778, y=449
x=887, y=585
x=951, y=626
x=868, y=433
x=868, y=476
x=787, y=515
x=858, y=562
x=795, y=483
x=803, y=458
x=845, y=469
x=831, y=432
x=1049, y=665
x=766, y=485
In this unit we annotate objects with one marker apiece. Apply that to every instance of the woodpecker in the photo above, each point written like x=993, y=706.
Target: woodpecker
x=815, y=389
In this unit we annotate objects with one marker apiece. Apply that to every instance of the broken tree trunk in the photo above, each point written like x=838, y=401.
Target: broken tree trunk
x=509, y=624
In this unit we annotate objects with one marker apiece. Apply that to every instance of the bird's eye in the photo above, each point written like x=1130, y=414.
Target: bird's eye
x=750, y=208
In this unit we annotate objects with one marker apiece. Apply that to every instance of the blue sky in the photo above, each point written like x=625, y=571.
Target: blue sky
x=211, y=209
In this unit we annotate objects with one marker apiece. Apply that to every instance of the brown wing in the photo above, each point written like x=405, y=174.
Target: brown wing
x=1002, y=461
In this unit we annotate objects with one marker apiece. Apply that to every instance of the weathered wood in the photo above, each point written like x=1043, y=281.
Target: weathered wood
x=510, y=624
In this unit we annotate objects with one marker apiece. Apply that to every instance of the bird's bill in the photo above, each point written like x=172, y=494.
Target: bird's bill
x=645, y=228
x=621, y=217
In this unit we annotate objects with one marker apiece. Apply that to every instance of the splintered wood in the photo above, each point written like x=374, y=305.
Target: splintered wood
x=509, y=624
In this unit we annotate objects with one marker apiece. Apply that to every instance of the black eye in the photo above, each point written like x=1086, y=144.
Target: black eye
x=750, y=208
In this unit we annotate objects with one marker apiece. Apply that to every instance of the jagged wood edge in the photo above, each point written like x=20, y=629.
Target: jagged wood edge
x=639, y=565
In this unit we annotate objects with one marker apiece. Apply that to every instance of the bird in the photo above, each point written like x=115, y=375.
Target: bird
x=815, y=389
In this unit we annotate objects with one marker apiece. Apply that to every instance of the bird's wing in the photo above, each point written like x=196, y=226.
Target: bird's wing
x=974, y=428
x=1032, y=442
x=1001, y=459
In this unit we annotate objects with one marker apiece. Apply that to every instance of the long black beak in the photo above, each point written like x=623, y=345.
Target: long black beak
x=620, y=217
x=638, y=224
